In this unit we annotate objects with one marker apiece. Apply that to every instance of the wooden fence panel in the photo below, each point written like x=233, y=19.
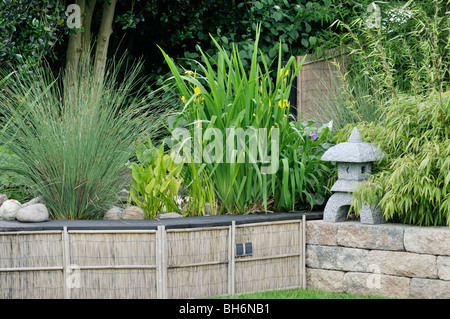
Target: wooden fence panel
x=181, y=263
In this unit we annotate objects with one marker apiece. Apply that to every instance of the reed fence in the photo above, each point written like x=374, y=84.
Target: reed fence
x=318, y=82
x=161, y=263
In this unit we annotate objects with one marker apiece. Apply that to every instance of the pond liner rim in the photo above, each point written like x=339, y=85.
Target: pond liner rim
x=169, y=223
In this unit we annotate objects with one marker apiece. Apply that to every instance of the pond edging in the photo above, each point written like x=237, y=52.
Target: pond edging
x=172, y=223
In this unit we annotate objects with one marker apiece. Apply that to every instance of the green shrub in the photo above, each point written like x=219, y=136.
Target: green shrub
x=294, y=26
x=159, y=183
x=73, y=141
x=413, y=184
x=156, y=180
x=31, y=31
x=405, y=64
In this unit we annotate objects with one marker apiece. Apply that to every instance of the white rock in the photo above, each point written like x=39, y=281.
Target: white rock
x=114, y=213
x=33, y=213
x=169, y=215
x=36, y=200
x=133, y=212
x=9, y=209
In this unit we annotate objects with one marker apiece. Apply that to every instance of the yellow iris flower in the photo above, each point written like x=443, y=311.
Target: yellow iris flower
x=197, y=90
x=285, y=74
x=283, y=104
x=191, y=73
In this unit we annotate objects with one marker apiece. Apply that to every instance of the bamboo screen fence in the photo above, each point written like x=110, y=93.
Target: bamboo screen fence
x=318, y=81
x=162, y=263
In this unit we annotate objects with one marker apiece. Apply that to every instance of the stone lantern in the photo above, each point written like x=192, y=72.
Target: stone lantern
x=354, y=167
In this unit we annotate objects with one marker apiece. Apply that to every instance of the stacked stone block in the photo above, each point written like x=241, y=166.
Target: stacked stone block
x=391, y=260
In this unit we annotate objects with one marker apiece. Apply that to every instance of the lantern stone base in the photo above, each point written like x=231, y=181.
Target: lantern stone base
x=337, y=207
x=371, y=215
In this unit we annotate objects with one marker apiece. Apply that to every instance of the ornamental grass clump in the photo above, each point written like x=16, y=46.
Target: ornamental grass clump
x=73, y=140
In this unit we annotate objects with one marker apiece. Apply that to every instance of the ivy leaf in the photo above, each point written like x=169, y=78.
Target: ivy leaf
x=307, y=27
x=258, y=5
x=293, y=34
x=277, y=16
x=273, y=52
x=191, y=55
x=305, y=43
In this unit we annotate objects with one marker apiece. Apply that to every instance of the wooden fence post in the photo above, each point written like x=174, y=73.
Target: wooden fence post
x=161, y=263
x=231, y=257
x=66, y=263
x=303, y=248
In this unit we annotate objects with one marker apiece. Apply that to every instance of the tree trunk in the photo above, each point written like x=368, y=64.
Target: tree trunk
x=79, y=47
x=103, y=39
x=87, y=21
x=74, y=48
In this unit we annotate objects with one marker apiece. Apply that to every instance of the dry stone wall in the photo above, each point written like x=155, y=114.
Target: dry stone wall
x=391, y=260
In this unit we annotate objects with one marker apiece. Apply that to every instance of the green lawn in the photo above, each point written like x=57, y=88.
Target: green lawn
x=296, y=294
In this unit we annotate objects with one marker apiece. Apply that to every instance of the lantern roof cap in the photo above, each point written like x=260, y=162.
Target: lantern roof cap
x=353, y=151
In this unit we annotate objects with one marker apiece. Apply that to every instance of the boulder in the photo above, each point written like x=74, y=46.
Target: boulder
x=319, y=232
x=9, y=209
x=36, y=200
x=443, y=264
x=373, y=284
x=114, y=213
x=329, y=280
x=133, y=212
x=33, y=213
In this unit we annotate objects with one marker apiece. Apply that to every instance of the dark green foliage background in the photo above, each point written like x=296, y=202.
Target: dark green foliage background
x=33, y=29
x=29, y=31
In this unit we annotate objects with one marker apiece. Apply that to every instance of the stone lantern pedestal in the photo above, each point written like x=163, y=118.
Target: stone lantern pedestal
x=354, y=160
